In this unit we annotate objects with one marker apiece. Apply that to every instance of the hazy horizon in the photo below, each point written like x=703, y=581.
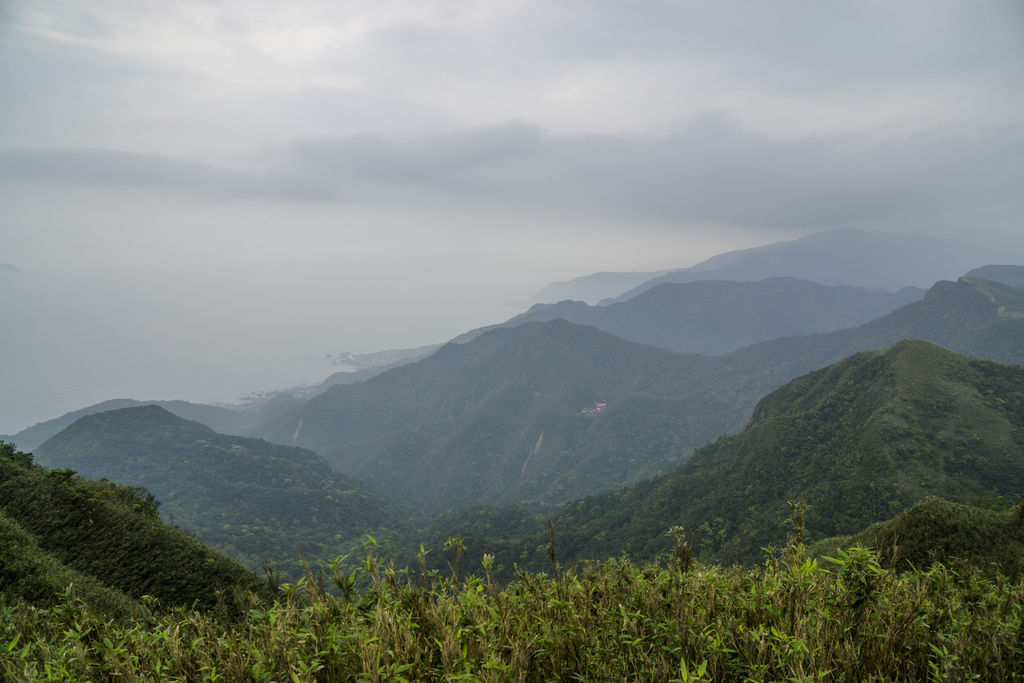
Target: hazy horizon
x=193, y=336
x=203, y=200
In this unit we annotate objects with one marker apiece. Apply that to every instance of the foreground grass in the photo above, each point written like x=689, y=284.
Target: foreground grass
x=791, y=619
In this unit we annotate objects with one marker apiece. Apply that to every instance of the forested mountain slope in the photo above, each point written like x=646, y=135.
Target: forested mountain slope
x=58, y=528
x=254, y=500
x=859, y=442
x=503, y=418
x=937, y=530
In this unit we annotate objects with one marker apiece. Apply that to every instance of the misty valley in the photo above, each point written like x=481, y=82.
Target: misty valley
x=730, y=471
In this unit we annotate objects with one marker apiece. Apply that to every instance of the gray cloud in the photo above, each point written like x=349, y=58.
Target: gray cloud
x=711, y=171
x=123, y=169
x=238, y=75
x=806, y=44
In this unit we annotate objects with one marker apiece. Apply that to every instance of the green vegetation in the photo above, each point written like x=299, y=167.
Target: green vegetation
x=989, y=538
x=29, y=573
x=57, y=528
x=256, y=501
x=859, y=441
x=845, y=618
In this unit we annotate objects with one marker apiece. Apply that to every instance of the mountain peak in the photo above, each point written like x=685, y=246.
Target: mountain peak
x=872, y=377
x=858, y=442
x=139, y=417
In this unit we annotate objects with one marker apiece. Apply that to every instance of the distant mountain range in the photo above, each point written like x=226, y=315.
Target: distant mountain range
x=973, y=316
x=500, y=419
x=235, y=419
x=249, y=498
x=853, y=257
x=858, y=441
x=713, y=317
x=1007, y=275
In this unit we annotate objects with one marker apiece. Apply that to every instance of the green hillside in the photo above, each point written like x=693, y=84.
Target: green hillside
x=502, y=420
x=713, y=317
x=254, y=500
x=937, y=530
x=29, y=573
x=57, y=528
x=859, y=442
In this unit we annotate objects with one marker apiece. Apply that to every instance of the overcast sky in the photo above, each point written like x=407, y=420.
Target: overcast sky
x=205, y=198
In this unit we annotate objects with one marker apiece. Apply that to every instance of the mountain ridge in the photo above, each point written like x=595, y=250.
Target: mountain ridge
x=849, y=256
x=475, y=411
x=713, y=317
x=859, y=442
x=217, y=418
x=508, y=403
x=254, y=500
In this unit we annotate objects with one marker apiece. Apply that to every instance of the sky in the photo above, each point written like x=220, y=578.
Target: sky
x=206, y=199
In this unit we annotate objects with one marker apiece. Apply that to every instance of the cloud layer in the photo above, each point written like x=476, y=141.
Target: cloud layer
x=795, y=115
x=711, y=171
